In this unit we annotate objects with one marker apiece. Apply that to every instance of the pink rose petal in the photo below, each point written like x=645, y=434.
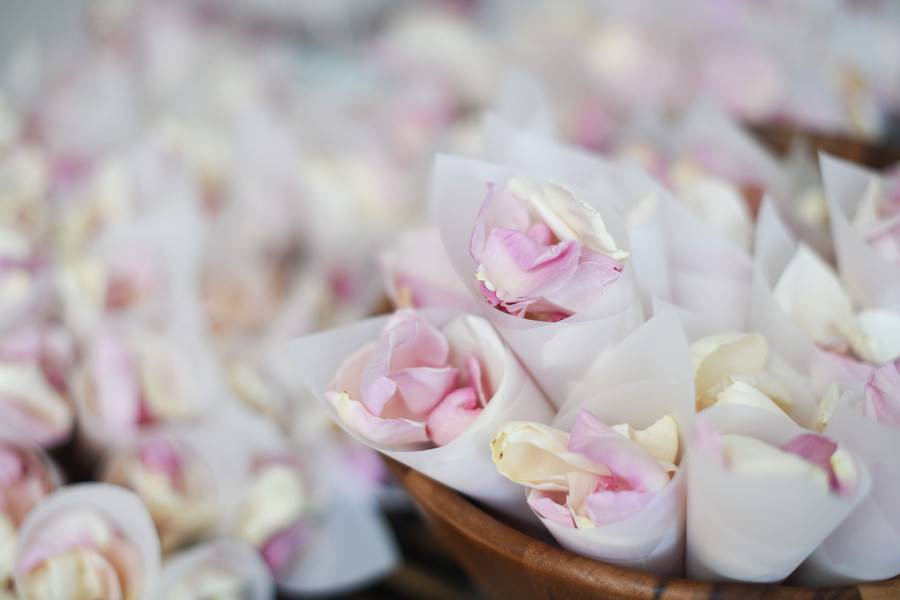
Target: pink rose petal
x=522, y=269
x=627, y=460
x=381, y=431
x=162, y=455
x=882, y=394
x=116, y=383
x=818, y=450
x=11, y=466
x=499, y=209
x=453, y=415
x=544, y=505
x=421, y=389
x=282, y=549
x=408, y=342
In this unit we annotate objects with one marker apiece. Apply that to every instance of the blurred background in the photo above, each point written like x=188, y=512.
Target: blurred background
x=184, y=186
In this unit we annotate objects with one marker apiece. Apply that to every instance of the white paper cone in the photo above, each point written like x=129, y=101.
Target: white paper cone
x=642, y=378
x=871, y=279
x=774, y=248
x=124, y=511
x=465, y=463
x=753, y=529
x=707, y=126
x=353, y=546
x=865, y=546
x=233, y=556
x=554, y=353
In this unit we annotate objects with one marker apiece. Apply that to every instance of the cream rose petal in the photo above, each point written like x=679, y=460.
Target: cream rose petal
x=882, y=334
x=750, y=456
x=660, y=439
x=812, y=295
x=537, y=456
x=741, y=392
x=568, y=217
x=718, y=357
x=78, y=574
x=8, y=539
x=275, y=500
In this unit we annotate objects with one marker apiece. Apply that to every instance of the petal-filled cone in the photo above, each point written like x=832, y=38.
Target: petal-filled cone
x=556, y=354
x=230, y=558
x=872, y=279
x=465, y=463
x=121, y=507
x=756, y=528
x=642, y=378
x=864, y=547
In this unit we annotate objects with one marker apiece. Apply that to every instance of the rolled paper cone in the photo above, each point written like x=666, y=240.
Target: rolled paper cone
x=465, y=463
x=95, y=435
x=695, y=324
x=226, y=445
x=802, y=171
x=354, y=545
x=745, y=528
x=122, y=508
x=556, y=354
x=722, y=302
x=774, y=248
x=708, y=126
x=639, y=380
x=231, y=556
x=184, y=515
x=650, y=540
x=863, y=547
x=871, y=279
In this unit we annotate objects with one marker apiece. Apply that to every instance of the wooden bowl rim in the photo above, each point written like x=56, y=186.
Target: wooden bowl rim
x=479, y=528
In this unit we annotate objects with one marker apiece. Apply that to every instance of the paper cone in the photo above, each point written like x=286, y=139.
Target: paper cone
x=752, y=529
x=465, y=463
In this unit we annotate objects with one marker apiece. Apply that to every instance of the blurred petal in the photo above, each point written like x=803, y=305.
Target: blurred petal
x=882, y=394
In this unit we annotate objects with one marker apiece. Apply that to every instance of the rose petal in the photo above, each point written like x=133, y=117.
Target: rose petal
x=626, y=460
x=568, y=217
x=882, y=394
x=822, y=452
x=393, y=432
x=116, y=383
x=282, y=549
x=545, y=507
x=453, y=415
x=718, y=357
x=408, y=341
x=500, y=209
x=518, y=268
x=537, y=455
x=594, y=273
x=421, y=389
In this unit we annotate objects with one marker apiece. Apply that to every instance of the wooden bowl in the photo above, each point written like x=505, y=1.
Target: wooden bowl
x=506, y=563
